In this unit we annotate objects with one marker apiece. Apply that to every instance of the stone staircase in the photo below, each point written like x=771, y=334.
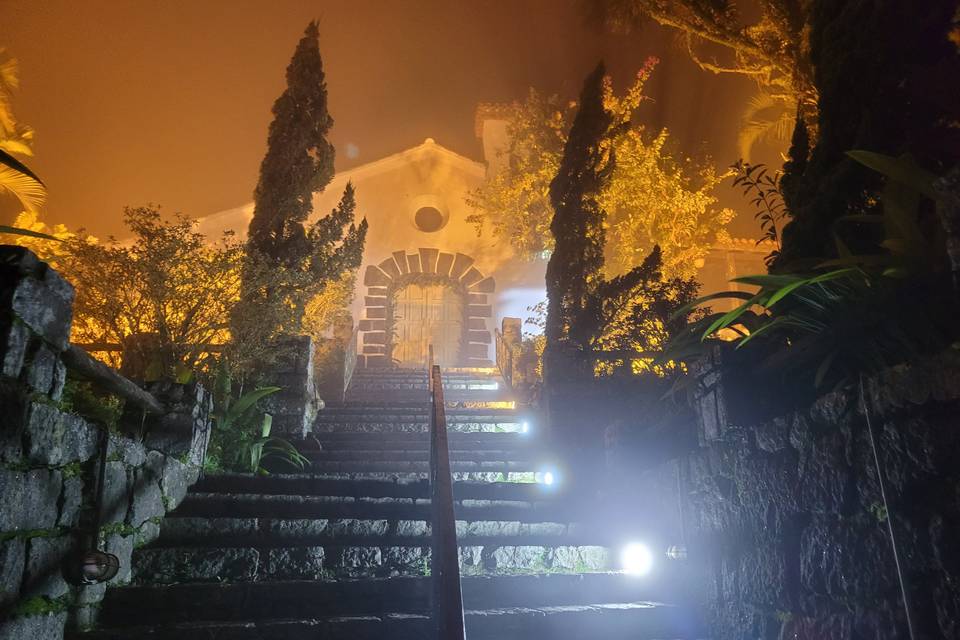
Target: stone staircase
x=342, y=551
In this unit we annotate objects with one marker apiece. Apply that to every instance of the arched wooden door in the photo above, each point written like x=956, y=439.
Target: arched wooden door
x=424, y=315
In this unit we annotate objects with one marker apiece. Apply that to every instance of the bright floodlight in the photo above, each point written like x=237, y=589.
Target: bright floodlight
x=545, y=477
x=525, y=427
x=636, y=559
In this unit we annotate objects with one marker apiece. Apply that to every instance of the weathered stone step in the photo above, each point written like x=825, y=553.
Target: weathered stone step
x=307, y=484
x=247, y=562
x=213, y=532
x=422, y=466
x=522, y=477
x=611, y=621
x=420, y=442
x=152, y=605
x=457, y=456
x=342, y=507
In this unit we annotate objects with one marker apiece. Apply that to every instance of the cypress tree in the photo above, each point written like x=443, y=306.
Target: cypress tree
x=290, y=262
x=298, y=162
x=575, y=268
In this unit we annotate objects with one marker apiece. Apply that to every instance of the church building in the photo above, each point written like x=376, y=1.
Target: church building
x=428, y=277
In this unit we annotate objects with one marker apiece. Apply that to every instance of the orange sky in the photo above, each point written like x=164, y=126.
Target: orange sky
x=143, y=101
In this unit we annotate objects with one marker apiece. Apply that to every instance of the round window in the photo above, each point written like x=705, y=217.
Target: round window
x=428, y=219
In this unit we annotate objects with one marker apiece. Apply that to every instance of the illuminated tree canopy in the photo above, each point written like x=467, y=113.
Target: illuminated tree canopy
x=653, y=197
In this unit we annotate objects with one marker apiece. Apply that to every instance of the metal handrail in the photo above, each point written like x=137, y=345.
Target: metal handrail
x=350, y=360
x=444, y=556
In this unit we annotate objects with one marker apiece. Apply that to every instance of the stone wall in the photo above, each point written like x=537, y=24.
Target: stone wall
x=786, y=524
x=49, y=460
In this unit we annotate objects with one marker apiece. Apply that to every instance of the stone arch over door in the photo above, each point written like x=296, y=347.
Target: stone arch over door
x=430, y=266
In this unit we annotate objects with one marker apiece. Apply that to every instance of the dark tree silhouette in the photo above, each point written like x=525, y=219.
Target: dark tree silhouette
x=299, y=158
x=575, y=267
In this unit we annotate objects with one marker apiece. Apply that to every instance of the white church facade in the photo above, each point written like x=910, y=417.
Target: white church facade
x=428, y=278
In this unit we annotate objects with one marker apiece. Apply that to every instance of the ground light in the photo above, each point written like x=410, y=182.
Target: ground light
x=546, y=477
x=636, y=559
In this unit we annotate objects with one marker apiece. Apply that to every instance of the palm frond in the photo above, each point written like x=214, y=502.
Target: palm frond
x=19, y=180
x=765, y=117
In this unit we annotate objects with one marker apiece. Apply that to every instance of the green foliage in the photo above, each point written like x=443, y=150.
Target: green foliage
x=16, y=178
x=241, y=439
x=854, y=314
x=765, y=195
x=587, y=313
x=85, y=400
x=652, y=196
x=889, y=88
x=40, y=606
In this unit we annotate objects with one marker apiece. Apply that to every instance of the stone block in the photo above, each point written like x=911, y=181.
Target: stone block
x=37, y=295
x=377, y=291
x=41, y=369
x=444, y=262
x=147, y=499
x=122, y=547
x=477, y=324
x=48, y=626
x=116, y=493
x=12, y=564
x=373, y=325
x=479, y=336
x=127, y=451
x=476, y=298
x=376, y=361
x=295, y=563
x=374, y=277
x=59, y=380
x=487, y=285
x=176, y=480
x=375, y=337
x=375, y=349
x=374, y=313
x=55, y=438
x=15, y=339
x=472, y=276
x=479, y=310
x=460, y=265
x=428, y=260
x=389, y=267
x=70, y=502
x=374, y=301
x=29, y=499
x=477, y=350
x=44, y=572
x=414, y=262
x=401, y=259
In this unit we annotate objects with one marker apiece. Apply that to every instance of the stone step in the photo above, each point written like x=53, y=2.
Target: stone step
x=264, y=562
x=418, y=442
x=320, y=456
x=323, y=467
x=212, y=505
x=321, y=428
x=276, y=532
x=249, y=601
x=522, y=477
x=307, y=484
x=611, y=621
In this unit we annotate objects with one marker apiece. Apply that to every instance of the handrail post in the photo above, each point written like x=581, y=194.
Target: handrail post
x=447, y=600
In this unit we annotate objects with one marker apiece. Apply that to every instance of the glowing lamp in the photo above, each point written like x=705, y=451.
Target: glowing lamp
x=636, y=559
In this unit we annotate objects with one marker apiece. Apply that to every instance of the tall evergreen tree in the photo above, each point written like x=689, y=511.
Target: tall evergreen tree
x=290, y=263
x=299, y=158
x=575, y=269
